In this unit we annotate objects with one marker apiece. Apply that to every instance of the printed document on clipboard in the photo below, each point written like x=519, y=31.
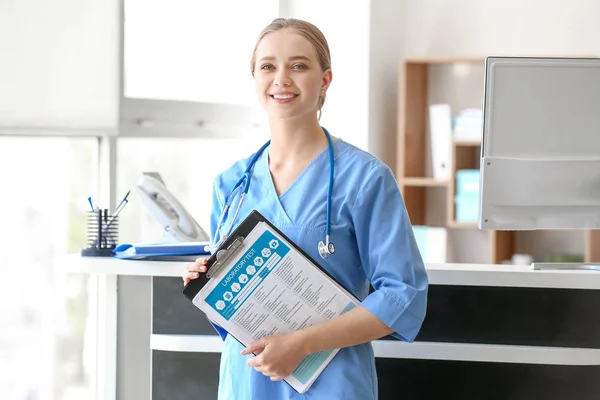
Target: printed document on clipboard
x=259, y=283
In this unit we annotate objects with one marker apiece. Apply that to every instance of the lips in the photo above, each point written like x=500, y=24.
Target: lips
x=282, y=98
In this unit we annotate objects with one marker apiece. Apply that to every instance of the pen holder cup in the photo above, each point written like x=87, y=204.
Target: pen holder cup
x=102, y=234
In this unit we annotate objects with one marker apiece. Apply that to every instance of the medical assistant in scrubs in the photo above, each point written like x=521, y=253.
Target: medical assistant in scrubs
x=374, y=243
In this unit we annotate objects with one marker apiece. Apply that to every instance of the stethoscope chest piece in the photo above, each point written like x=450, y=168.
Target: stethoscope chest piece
x=326, y=249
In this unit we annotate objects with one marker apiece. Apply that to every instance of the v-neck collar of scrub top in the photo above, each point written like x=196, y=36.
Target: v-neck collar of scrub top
x=269, y=186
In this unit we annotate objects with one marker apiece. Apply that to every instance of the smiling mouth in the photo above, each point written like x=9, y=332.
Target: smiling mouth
x=283, y=96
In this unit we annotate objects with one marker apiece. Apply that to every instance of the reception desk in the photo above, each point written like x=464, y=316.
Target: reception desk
x=491, y=332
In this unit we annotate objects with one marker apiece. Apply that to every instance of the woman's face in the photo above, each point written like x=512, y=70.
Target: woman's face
x=289, y=79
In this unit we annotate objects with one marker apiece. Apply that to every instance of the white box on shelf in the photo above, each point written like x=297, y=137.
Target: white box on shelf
x=440, y=139
x=432, y=243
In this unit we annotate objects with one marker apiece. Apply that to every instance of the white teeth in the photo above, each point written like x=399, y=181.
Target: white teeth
x=283, y=96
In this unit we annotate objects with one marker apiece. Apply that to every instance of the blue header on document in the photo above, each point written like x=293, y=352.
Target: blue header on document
x=248, y=273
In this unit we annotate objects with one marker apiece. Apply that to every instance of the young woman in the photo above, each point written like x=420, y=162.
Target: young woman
x=290, y=185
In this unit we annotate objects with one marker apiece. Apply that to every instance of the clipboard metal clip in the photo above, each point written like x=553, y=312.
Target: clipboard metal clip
x=223, y=255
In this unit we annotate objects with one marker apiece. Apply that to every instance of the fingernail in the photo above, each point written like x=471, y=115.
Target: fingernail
x=195, y=274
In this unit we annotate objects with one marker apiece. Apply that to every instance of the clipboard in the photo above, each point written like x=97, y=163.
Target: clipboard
x=226, y=254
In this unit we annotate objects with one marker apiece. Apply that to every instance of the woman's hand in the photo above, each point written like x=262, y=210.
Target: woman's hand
x=278, y=355
x=194, y=269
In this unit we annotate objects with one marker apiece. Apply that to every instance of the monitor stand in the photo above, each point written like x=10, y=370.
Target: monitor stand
x=565, y=266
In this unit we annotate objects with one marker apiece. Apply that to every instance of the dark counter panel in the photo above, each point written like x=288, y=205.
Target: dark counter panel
x=449, y=380
x=512, y=316
x=461, y=314
x=179, y=376
x=184, y=376
x=173, y=313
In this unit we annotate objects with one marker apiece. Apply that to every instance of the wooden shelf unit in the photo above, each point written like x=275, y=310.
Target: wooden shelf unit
x=411, y=168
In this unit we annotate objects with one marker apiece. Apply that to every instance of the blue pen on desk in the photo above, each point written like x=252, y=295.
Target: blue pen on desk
x=91, y=204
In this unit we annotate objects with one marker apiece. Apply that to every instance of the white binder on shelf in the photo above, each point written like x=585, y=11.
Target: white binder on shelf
x=440, y=140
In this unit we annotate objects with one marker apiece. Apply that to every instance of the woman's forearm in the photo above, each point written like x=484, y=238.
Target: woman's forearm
x=354, y=327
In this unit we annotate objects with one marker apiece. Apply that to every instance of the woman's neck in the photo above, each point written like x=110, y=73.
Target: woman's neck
x=295, y=141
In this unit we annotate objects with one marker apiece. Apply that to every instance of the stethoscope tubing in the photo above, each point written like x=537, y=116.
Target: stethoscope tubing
x=245, y=180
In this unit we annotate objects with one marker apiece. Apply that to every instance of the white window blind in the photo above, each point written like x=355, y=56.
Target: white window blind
x=193, y=50
x=59, y=65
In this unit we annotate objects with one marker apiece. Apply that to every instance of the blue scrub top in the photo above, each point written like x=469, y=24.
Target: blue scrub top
x=374, y=244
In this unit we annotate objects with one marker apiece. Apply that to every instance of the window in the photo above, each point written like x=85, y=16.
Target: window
x=188, y=168
x=45, y=344
x=60, y=66
x=193, y=50
x=177, y=51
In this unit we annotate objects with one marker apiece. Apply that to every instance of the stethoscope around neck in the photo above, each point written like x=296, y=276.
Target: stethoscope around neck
x=326, y=248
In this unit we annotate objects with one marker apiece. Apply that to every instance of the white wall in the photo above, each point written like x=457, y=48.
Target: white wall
x=458, y=28
x=503, y=27
x=346, y=110
x=385, y=52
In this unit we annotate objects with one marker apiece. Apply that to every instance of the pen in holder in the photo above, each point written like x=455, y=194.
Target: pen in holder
x=102, y=232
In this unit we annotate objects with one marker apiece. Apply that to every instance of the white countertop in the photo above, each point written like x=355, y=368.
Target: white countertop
x=439, y=274
x=416, y=350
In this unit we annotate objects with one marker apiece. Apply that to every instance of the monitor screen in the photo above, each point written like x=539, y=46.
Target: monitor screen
x=540, y=151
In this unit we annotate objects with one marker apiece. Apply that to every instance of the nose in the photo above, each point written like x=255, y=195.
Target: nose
x=282, y=78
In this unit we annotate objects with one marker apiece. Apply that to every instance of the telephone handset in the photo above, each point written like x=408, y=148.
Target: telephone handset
x=170, y=214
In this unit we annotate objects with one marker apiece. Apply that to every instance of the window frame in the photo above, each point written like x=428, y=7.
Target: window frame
x=143, y=118
x=151, y=118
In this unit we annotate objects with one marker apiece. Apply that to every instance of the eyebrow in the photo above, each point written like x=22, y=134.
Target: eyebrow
x=293, y=58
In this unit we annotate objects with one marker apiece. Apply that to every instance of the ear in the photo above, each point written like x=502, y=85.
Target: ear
x=327, y=77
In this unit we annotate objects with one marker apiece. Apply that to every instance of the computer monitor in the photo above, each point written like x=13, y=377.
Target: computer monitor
x=540, y=150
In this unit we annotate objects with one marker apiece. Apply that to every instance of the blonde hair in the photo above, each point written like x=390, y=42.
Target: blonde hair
x=311, y=33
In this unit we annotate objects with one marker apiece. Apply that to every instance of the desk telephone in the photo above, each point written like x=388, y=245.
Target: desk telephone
x=177, y=222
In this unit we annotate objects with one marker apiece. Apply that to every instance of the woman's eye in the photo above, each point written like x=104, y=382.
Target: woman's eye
x=266, y=67
x=299, y=66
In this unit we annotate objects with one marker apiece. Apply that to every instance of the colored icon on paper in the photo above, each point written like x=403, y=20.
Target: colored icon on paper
x=243, y=278
x=266, y=252
x=273, y=244
x=258, y=261
x=236, y=287
x=220, y=305
x=227, y=296
x=251, y=270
